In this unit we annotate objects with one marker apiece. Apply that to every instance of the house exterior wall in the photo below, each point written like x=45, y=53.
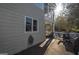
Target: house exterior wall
x=13, y=37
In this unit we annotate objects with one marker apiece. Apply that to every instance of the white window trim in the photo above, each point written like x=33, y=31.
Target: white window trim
x=31, y=26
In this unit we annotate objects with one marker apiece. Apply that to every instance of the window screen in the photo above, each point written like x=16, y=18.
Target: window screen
x=34, y=25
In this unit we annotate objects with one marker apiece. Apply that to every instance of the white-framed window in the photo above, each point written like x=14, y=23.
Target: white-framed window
x=35, y=25
x=28, y=24
x=31, y=24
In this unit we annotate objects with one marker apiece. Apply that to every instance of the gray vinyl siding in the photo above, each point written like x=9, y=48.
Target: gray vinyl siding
x=13, y=37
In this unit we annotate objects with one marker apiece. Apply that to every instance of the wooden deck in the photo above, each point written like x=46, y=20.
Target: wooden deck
x=57, y=49
x=48, y=47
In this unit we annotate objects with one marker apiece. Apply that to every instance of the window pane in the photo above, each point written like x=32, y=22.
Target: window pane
x=34, y=25
x=34, y=28
x=28, y=24
x=34, y=22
